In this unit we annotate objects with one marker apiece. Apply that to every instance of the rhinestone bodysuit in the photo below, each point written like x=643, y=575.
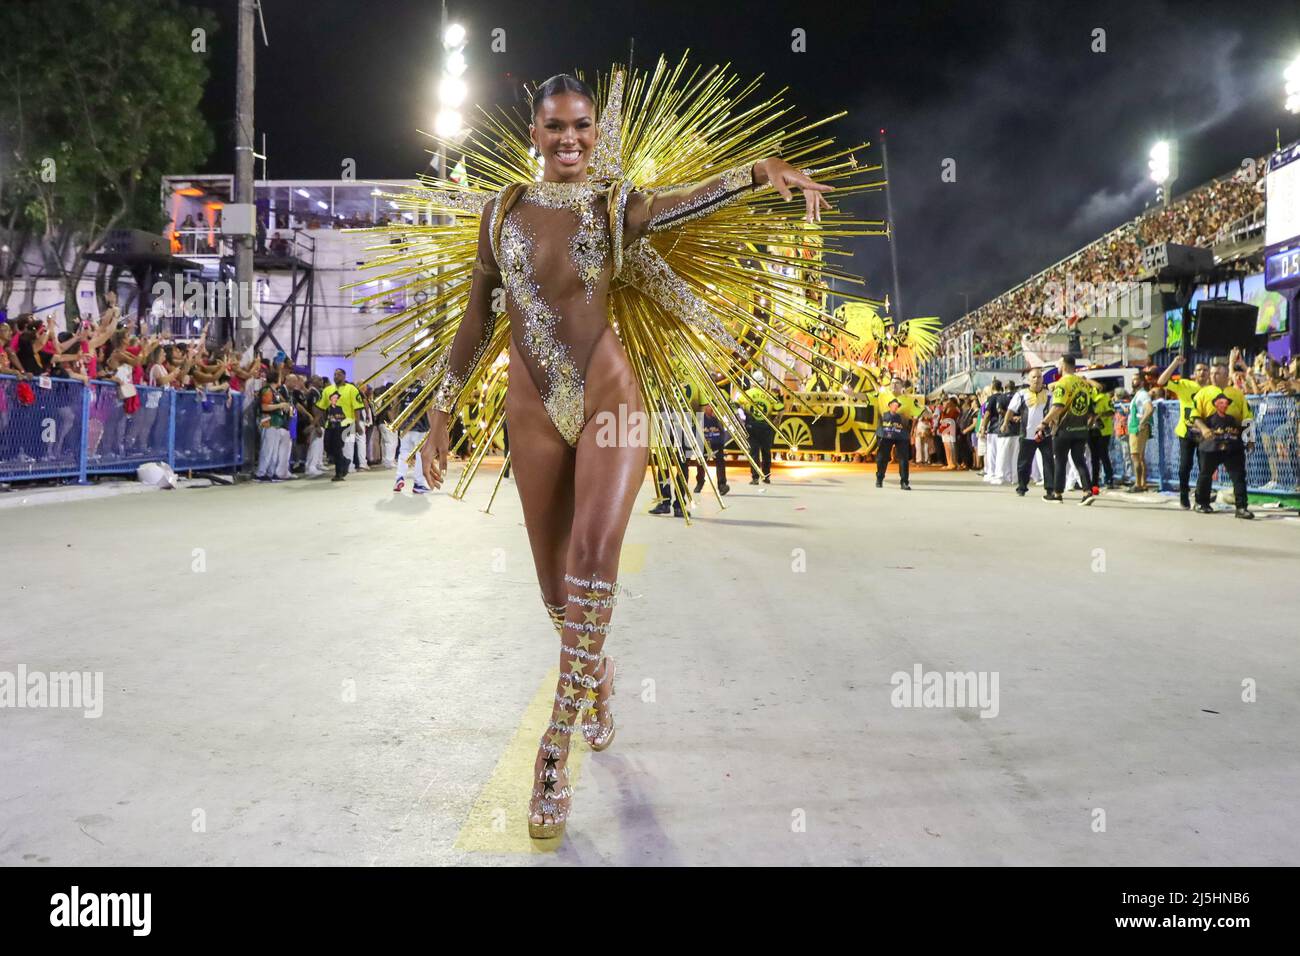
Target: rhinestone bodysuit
x=543, y=349
x=556, y=256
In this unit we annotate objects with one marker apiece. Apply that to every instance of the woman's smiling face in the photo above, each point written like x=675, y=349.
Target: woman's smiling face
x=564, y=132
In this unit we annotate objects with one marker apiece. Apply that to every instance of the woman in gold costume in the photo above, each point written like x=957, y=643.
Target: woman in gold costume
x=618, y=282
x=554, y=246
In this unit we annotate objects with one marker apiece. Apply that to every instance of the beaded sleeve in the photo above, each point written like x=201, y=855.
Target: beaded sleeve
x=673, y=206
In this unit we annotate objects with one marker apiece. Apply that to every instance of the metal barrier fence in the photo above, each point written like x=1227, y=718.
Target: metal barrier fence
x=1272, y=468
x=72, y=430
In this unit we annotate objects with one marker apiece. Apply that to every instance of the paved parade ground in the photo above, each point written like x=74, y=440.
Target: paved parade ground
x=315, y=673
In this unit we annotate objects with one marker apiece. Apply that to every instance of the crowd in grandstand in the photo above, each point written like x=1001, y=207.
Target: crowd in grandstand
x=1195, y=219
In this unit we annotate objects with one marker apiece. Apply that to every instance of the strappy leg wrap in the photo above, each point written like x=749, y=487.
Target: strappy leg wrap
x=582, y=623
x=592, y=602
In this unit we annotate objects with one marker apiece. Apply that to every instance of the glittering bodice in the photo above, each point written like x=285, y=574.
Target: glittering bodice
x=555, y=266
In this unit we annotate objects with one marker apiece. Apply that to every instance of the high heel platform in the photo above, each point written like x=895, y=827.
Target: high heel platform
x=552, y=793
x=584, y=669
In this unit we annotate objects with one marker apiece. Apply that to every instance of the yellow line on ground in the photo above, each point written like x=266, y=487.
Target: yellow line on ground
x=498, y=821
x=631, y=559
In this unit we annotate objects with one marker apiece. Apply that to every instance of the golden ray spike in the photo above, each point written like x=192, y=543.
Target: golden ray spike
x=500, y=476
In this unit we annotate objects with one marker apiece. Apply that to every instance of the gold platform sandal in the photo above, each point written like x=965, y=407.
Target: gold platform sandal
x=581, y=643
x=552, y=793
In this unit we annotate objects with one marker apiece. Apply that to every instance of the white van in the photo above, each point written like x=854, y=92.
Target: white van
x=1113, y=378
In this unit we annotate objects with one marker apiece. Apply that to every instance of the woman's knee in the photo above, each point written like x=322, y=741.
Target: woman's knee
x=594, y=552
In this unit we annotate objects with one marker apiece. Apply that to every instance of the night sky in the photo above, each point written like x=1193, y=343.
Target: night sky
x=1050, y=139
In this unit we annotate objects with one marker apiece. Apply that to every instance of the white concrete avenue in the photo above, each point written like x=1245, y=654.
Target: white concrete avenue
x=822, y=673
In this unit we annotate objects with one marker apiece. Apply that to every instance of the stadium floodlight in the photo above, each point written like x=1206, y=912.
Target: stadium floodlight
x=453, y=38
x=1158, y=163
x=1163, y=165
x=304, y=194
x=452, y=92
x=455, y=64
x=1292, y=77
x=448, y=124
x=322, y=204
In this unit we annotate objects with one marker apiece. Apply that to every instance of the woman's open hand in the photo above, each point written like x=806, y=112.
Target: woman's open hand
x=784, y=178
x=433, y=453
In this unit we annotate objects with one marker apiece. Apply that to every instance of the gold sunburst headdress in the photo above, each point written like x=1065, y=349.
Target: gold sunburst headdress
x=690, y=303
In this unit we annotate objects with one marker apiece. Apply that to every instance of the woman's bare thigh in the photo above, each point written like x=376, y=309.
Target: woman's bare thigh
x=543, y=467
x=608, y=473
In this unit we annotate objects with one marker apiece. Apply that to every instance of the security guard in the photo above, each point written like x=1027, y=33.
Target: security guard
x=713, y=441
x=1027, y=409
x=761, y=407
x=341, y=403
x=678, y=454
x=1069, y=421
x=1103, y=429
x=679, y=445
x=1225, y=424
x=1185, y=389
x=896, y=410
x=694, y=394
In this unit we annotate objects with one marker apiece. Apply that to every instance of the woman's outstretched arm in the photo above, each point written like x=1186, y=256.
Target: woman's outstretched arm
x=669, y=208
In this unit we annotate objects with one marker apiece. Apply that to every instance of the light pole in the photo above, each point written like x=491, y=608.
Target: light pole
x=1162, y=162
x=451, y=88
x=451, y=95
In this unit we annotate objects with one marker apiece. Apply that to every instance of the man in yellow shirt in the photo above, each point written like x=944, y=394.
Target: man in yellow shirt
x=1184, y=389
x=1224, y=423
x=340, y=403
x=1103, y=428
x=1069, y=421
x=896, y=412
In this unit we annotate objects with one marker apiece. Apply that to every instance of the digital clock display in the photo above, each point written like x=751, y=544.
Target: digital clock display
x=1282, y=269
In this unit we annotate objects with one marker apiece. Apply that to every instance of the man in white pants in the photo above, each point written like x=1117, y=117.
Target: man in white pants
x=313, y=466
x=273, y=457
x=355, y=443
x=418, y=422
x=315, y=454
x=1008, y=454
x=361, y=427
x=388, y=441
x=995, y=408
